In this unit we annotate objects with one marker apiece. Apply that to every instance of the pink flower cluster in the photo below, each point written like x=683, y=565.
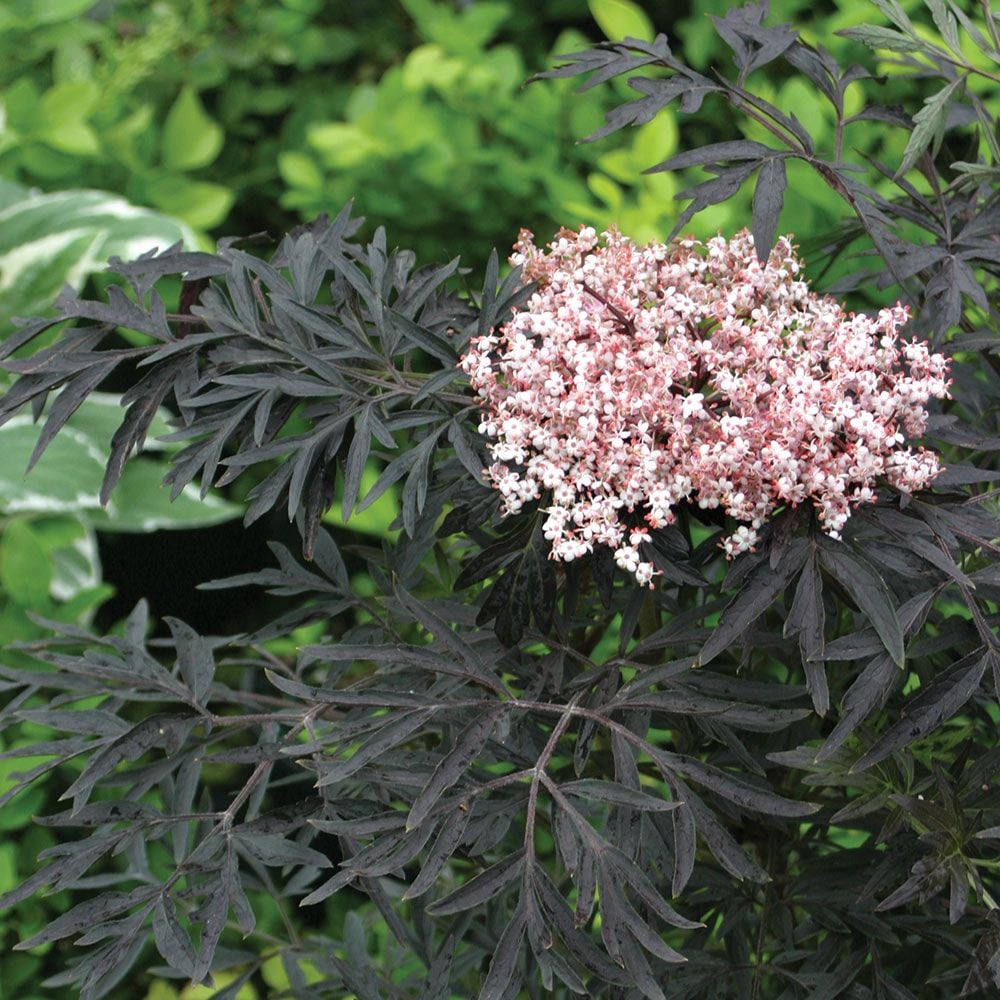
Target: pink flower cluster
x=637, y=377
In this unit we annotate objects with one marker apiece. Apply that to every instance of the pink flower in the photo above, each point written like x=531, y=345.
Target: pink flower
x=637, y=377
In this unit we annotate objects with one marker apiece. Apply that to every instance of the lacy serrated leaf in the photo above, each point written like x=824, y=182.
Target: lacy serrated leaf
x=277, y=851
x=928, y=125
x=195, y=658
x=482, y=887
x=734, y=789
x=877, y=37
x=86, y=914
x=759, y=592
x=396, y=729
x=768, y=198
x=212, y=918
x=157, y=730
x=616, y=794
x=453, y=766
x=685, y=845
x=928, y=710
x=720, y=842
x=869, y=592
x=503, y=966
x=870, y=689
x=449, y=836
x=807, y=619
x=172, y=941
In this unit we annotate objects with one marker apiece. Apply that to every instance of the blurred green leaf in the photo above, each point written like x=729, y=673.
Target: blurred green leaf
x=300, y=170
x=100, y=415
x=8, y=866
x=48, y=11
x=25, y=567
x=64, y=110
x=191, y=139
x=72, y=547
x=48, y=240
x=656, y=141
x=140, y=504
x=72, y=137
x=67, y=477
x=472, y=28
x=67, y=102
x=21, y=811
x=620, y=19
x=201, y=204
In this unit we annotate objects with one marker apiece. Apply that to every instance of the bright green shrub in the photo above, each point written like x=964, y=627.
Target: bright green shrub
x=208, y=111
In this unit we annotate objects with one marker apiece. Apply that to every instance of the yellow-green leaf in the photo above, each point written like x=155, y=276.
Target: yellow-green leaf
x=620, y=19
x=75, y=137
x=191, y=139
x=200, y=204
x=300, y=170
x=69, y=102
x=656, y=141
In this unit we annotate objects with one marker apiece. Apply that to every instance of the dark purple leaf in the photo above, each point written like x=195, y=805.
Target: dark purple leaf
x=503, y=965
x=172, y=940
x=453, y=766
x=616, y=794
x=927, y=711
x=481, y=888
x=869, y=593
x=768, y=197
x=760, y=591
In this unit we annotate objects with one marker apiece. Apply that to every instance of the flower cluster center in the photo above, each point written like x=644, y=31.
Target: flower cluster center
x=636, y=378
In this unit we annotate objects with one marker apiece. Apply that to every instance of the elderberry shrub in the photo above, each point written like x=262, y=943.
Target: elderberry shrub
x=651, y=736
